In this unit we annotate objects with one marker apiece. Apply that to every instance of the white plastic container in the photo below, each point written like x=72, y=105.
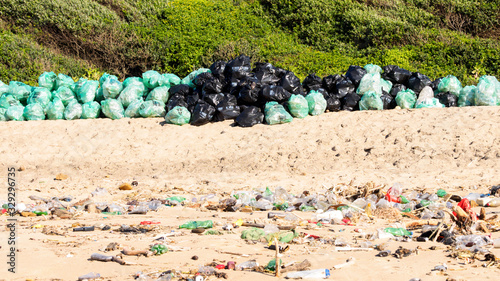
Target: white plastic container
x=309, y=274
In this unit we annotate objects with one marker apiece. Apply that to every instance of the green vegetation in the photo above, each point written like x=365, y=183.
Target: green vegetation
x=84, y=38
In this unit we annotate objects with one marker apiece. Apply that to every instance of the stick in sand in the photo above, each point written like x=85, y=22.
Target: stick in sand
x=277, y=263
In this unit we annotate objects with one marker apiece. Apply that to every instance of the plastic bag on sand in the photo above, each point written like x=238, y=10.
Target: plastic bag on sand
x=406, y=99
x=7, y=100
x=370, y=83
x=467, y=96
x=316, y=103
x=34, y=111
x=450, y=84
x=275, y=113
x=488, y=91
x=152, y=108
x=133, y=109
x=112, y=109
x=47, y=80
x=159, y=94
x=41, y=96
x=298, y=106
x=64, y=94
x=130, y=94
x=73, y=110
x=250, y=117
x=55, y=109
x=426, y=99
x=91, y=110
x=15, y=113
x=202, y=114
x=20, y=91
x=371, y=101
x=179, y=115
x=111, y=88
x=2, y=114
x=87, y=91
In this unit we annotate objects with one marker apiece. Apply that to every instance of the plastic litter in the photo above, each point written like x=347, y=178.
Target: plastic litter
x=179, y=115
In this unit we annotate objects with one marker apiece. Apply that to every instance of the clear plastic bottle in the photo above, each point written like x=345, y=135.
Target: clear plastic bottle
x=494, y=203
x=247, y=265
x=309, y=274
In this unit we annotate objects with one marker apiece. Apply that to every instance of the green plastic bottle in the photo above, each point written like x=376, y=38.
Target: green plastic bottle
x=159, y=249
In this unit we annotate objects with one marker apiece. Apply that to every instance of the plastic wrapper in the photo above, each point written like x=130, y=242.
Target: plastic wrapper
x=130, y=94
x=64, y=94
x=91, y=110
x=371, y=101
x=73, y=110
x=55, y=109
x=450, y=84
x=111, y=88
x=63, y=80
x=370, y=83
x=406, y=99
x=159, y=94
x=133, y=109
x=152, y=108
x=34, y=111
x=87, y=92
x=298, y=106
x=276, y=114
x=467, y=96
x=15, y=113
x=112, y=108
x=20, y=91
x=178, y=115
x=316, y=103
x=47, y=80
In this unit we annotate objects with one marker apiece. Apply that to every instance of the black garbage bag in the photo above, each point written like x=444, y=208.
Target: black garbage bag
x=323, y=92
x=212, y=86
x=448, y=99
x=202, y=113
x=435, y=84
x=176, y=100
x=266, y=73
x=250, y=116
x=238, y=67
x=389, y=101
x=181, y=89
x=396, y=89
x=396, y=75
x=311, y=82
x=351, y=102
x=355, y=73
x=291, y=83
x=333, y=104
x=228, y=108
x=275, y=93
x=217, y=69
x=249, y=89
x=329, y=83
x=192, y=100
x=213, y=99
x=418, y=81
x=343, y=87
x=202, y=78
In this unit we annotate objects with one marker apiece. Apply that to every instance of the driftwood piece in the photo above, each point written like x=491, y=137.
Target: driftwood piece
x=145, y=253
x=259, y=225
x=104, y=258
x=305, y=265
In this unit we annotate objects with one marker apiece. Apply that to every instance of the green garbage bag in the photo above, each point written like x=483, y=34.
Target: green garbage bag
x=406, y=99
x=133, y=109
x=7, y=100
x=2, y=114
x=73, y=110
x=40, y=95
x=105, y=77
x=316, y=103
x=87, y=92
x=488, y=91
x=99, y=96
x=298, y=106
x=77, y=85
x=252, y=234
x=34, y=111
x=152, y=108
x=63, y=80
x=20, y=91
x=429, y=103
x=55, y=109
x=111, y=88
x=179, y=115
x=275, y=113
x=112, y=109
x=172, y=79
x=371, y=101
x=4, y=89
x=65, y=94
x=188, y=80
x=151, y=79
x=450, y=84
x=467, y=96
x=47, y=80
x=130, y=94
x=15, y=113
x=373, y=68
x=386, y=85
x=91, y=110
x=370, y=82
x=159, y=94
x=136, y=81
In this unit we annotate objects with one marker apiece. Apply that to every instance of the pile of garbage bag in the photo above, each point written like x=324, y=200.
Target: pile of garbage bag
x=233, y=90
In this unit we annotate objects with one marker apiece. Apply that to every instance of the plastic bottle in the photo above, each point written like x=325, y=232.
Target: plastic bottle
x=88, y=276
x=309, y=274
x=494, y=203
x=247, y=265
x=483, y=201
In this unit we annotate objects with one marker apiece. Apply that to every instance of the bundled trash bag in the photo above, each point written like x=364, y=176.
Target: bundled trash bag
x=188, y=80
x=181, y=89
x=329, y=83
x=350, y=102
x=55, y=109
x=450, y=84
x=133, y=109
x=217, y=69
x=213, y=99
x=87, y=92
x=370, y=83
x=20, y=91
x=151, y=79
x=488, y=91
x=396, y=89
x=429, y=103
x=34, y=111
x=386, y=85
x=389, y=101
x=467, y=96
x=111, y=88
x=130, y=94
x=396, y=75
x=316, y=103
x=373, y=68
x=91, y=110
x=192, y=100
x=333, y=104
x=291, y=83
x=99, y=96
x=212, y=86
x=73, y=110
x=137, y=83
x=47, y=80
x=112, y=108
x=2, y=114
x=202, y=78
x=77, y=85
x=41, y=96
x=3, y=88
x=63, y=80
x=343, y=87
x=447, y=99
x=312, y=83
x=250, y=116
x=298, y=106
x=275, y=93
x=266, y=73
x=249, y=93
x=176, y=100
x=105, y=77
x=418, y=81
x=238, y=68
x=7, y=100
x=158, y=94
x=371, y=101
x=64, y=94
x=171, y=78
x=406, y=99
x=275, y=113
x=152, y=108
x=179, y=115
x=15, y=113
x=355, y=74
x=202, y=114
x=228, y=108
